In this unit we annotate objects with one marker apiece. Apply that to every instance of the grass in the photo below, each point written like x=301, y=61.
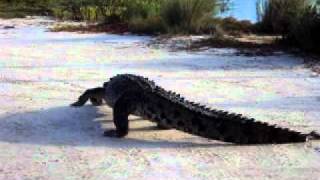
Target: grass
x=92, y=28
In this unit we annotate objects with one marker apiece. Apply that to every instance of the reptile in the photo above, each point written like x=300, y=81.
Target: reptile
x=132, y=94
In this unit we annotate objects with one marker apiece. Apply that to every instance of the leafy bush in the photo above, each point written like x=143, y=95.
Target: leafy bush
x=277, y=16
x=209, y=25
x=142, y=8
x=149, y=25
x=305, y=32
x=233, y=26
x=175, y=16
x=186, y=15
x=16, y=8
x=298, y=21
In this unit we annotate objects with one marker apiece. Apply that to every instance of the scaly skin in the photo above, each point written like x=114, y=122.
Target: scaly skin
x=132, y=94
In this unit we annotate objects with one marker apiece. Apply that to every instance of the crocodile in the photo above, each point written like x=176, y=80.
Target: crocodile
x=132, y=94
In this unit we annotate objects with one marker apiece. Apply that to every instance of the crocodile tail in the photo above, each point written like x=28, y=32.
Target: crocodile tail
x=232, y=127
x=241, y=130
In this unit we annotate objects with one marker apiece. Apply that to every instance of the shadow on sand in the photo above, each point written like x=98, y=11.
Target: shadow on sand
x=67, y=126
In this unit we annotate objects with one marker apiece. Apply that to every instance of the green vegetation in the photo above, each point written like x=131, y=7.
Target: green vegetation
x=148, y=25
x=298, y=21
x=141, y=16
x=235, y=27
x=22, y=8
x=106, y=11
x=187, y=15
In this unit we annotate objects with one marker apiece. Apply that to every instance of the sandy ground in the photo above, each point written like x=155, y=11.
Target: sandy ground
x=41, y=137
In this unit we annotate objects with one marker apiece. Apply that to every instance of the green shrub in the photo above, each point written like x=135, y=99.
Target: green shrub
x=89, y=13
x=186, y=15
x=208, y=25
x=276, y=16
x=141, y=8
x=235, y=27
x=175, y=16
x=298, y=21
x=15, y=8
x=149, y=25
x=305, y=32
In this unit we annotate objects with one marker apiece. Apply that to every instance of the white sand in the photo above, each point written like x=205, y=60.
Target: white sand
x=41, y=137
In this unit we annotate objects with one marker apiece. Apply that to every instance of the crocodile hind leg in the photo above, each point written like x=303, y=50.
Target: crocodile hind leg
x=95, y=95
x=124, y=106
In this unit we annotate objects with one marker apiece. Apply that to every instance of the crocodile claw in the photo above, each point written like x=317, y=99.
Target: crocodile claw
x=113, y=133
x=76, y=104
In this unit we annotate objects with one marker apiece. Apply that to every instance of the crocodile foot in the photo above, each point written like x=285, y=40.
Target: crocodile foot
x=77, y=104
x=113, y=133
x=96, y=101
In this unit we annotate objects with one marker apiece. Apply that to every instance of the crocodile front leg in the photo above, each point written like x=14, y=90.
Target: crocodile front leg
x=162, y=126
x=95, y=95
x=127, y=104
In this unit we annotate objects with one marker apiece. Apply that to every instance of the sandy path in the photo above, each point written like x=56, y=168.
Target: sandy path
x=41, y=137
